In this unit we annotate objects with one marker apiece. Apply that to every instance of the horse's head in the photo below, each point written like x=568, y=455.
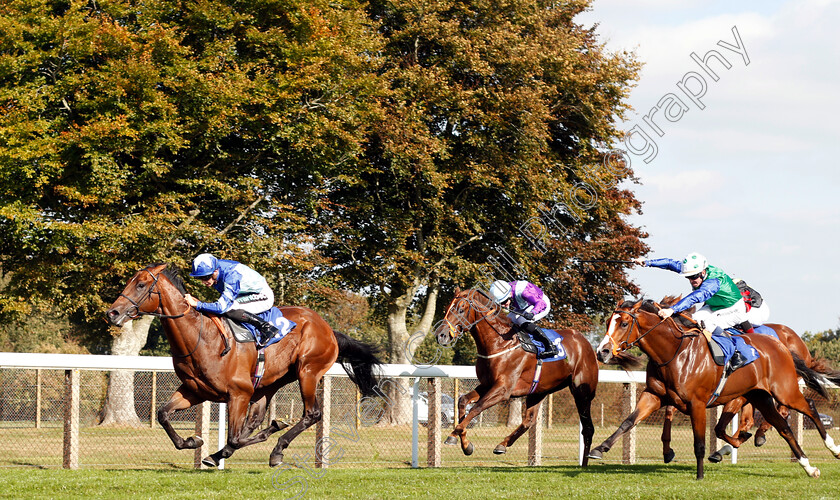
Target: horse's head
x=467, y=308
x=144, y=294
x=620, y=328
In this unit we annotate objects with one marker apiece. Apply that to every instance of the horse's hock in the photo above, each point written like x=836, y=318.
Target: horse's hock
x=50, y=404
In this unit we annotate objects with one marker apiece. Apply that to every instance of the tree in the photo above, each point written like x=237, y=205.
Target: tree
x=494, y=112
x=140, y=132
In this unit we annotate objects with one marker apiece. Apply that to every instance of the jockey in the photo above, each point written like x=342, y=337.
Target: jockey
x=724, y=306
x=527, y=304
x=245, y=293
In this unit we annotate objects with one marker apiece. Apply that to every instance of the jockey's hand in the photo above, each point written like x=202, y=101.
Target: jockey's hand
x=640, y=261
x=666, y=313
x=528, y=316
x=192, y=301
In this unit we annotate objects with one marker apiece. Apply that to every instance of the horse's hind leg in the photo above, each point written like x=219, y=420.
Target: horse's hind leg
x=648, y=403
x=256, y=414
x=764, y=403
x=311, y=415
x=181, y=399
x=729, y=411
x=532, y=405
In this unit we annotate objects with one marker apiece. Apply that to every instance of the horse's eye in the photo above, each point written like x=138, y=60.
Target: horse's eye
x=624, y=324
x=141, y=285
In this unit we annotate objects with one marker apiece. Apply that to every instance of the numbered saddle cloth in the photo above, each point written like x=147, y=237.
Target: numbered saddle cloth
x=555, y=339
x=244, y=332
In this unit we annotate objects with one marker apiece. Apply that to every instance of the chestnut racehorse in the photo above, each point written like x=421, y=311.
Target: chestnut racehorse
x=682, y=373
x=209, y=373
x=506, y=371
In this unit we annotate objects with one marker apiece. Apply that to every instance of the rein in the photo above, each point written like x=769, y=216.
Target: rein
x=483, y=318
x=137, y=312
x=630, y=345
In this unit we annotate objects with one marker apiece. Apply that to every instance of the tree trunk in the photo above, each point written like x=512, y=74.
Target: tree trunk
x=402, y=350
x=119, y=402
x=514, y=412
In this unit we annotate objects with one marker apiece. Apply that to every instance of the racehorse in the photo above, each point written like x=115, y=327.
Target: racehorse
x=786, y=335
x=682, y=373
x=506, y=371
x=208, y=372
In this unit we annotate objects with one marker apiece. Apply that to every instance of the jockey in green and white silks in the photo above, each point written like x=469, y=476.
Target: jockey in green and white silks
x=723, y=304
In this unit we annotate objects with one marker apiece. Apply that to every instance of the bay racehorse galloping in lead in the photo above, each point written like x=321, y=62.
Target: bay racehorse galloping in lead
x=505, y=371
x=206, y=374
x=682, y=373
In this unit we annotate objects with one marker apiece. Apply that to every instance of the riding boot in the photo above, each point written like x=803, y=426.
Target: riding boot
x=265, y=330
x=736, y=361
x=550, y=349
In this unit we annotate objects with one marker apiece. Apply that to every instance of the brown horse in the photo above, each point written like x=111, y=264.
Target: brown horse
x=682, y=373
x=506, y=371
x=209, y=373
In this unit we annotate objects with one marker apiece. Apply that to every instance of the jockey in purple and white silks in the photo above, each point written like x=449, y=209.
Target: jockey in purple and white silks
x=527, y=304
x=245, y=293
x=723, y=303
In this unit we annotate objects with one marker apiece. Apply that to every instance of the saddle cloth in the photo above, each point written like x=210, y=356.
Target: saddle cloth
x=555, y=339
x=244, y=332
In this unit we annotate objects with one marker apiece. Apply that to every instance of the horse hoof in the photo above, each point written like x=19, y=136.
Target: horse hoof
x=745, y=435
x=499, y=450
x=760, y=440
x=275, y=460
x=469, y=449
x=279, y=426
x=596, y=454
x=815, y=473
x=209, y=462
x=451, y=441
x=669, y=456
x=715, y=457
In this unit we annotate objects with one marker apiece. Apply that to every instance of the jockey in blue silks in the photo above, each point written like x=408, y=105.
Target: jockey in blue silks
x=245, y=293
x=724, y=305
x=527, y=304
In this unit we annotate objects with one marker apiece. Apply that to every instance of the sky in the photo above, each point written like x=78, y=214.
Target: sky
x=751, y=180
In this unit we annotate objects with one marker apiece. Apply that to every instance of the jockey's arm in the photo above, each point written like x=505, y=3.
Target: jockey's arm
x=533, y=296
x=669, y=264
x=703, y=293
x=225, y=301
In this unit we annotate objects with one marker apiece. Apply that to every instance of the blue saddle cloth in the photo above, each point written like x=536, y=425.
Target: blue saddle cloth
x=735, y=342
x=276, y=318
x=764, y=330
x=555, y=339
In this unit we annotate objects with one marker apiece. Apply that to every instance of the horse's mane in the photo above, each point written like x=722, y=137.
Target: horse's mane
x=172, y=272
x=651, y=306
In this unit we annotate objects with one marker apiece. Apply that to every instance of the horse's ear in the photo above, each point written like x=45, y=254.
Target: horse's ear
x=457, y=290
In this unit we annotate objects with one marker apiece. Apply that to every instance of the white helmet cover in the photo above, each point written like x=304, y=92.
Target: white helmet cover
x=500, y=291
x=692, y=264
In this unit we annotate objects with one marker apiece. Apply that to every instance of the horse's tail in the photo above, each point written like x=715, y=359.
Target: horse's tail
x=358, y=359
x=822, y=366
x=814, y=379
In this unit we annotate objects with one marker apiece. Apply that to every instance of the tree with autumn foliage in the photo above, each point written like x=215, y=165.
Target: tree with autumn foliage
x=136, y=132
x=496, y=112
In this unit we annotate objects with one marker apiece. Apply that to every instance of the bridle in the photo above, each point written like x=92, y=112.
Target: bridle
x=152, y=290
x=625, y=346
x=455, y=331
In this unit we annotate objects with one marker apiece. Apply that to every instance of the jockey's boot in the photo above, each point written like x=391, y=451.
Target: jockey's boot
x=550, y=349
x=736, y=361
x=265, y=329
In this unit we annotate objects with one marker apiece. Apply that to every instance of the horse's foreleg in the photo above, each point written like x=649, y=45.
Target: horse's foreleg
x=181, y=399
x=532, y=405
x=698, y=426
x=729, y=411
x=492, y=397
x=648, y=403
x=311, y=415
x=463, y=401
x=238, y=407
x=667, y=423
